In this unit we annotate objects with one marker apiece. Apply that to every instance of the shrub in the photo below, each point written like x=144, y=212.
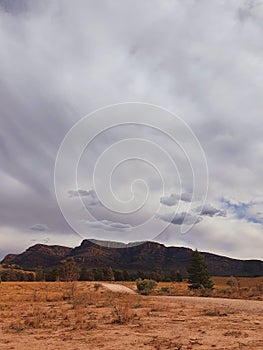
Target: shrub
x=97, y=286
x=146, y=287
x=122, y=314
x=165, y=290
x=233, y=283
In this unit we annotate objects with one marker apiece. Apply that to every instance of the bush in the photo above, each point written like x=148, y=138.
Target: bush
x=146, y=287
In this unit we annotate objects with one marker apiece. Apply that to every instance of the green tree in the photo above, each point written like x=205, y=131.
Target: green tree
x=52, y=275
x=108, y=274
x=198, y=275
x=118, y=275
x=126, y=276
x=98, y=274
x=156, y=275
x=175, y=276
x=86, y=275
x=30, y=277
x=40, y=276
x=69, y=270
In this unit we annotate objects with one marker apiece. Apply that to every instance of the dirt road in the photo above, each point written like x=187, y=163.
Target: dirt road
x=235, y=304
x=118, y=288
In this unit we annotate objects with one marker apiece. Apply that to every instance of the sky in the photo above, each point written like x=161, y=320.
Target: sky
x=191, y=68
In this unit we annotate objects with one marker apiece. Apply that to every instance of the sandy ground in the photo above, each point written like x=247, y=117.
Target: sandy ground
x=152, y=322
x=117, y=288
x=234, y=304
x=237, y=304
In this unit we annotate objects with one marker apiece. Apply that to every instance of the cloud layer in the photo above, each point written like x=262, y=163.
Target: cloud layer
x=200, y=60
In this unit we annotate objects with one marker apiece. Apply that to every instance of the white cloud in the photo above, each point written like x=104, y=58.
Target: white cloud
x=174, y=198
x=90, y=197
x=108, y=225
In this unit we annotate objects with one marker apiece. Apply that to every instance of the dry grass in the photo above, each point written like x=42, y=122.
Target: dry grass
x=77, y=315
x=122, y=313
x=61, y=305
x=248, y=288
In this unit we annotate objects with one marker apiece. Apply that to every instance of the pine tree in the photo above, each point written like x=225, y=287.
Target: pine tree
x=198, y=275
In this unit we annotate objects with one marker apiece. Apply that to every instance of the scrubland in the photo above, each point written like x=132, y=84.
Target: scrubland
x=85, y=315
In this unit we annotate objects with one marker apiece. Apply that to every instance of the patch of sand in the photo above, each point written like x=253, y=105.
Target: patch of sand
x=118, y=288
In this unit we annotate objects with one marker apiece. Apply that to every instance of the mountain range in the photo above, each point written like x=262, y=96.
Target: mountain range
x=140, y=256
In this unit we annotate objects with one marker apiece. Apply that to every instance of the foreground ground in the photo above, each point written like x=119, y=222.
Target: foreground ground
x=90, y=316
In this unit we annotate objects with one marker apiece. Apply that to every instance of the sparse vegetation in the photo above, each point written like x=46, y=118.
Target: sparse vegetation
x=146, y=287
x=215, y=312
x=77, y=313
x=122, y=313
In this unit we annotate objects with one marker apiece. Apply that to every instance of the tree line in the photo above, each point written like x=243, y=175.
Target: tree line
x=11, y=274
x=68, y=271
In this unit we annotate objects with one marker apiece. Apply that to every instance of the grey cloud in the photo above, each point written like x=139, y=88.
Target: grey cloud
x=91, y=198
x=108, y=225
x=39, y=227
x=209, y=210
x=79, y=193
x=180, y=218
x=174, y=198
x=14, y=6
x=60, y=61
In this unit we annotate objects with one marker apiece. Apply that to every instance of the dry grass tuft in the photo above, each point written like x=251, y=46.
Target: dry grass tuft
x=122, y=313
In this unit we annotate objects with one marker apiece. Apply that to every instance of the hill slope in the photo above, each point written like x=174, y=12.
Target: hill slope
x=143, y=257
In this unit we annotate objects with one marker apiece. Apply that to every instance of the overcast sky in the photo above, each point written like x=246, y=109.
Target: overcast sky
x=201, y=60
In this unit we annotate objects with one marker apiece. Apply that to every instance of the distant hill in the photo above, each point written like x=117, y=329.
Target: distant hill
x=38, y=255
x=146, y=256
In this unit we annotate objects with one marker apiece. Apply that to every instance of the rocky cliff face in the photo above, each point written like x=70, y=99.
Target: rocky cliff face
x=143, y=257
x=38, y=255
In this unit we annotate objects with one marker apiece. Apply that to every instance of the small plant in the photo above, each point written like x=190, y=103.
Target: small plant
x=214, y=312
x=122, y=313
x=233, y=333
x=97, y=286
x=233, y=283
x=146, y=286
